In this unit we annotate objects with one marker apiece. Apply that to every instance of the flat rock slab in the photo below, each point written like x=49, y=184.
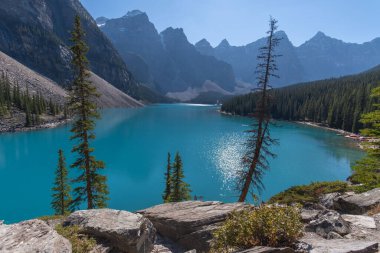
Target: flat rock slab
x=351, y=203
x=32, y=236
x=190, y=223
x=341, y=246
x=125, y=231
x=261, y=249
x=360, y=221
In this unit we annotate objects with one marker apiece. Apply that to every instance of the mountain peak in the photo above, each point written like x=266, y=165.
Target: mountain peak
x=203, y=43
x=100, y=21
x=175, y=34
x=224, y=43
x=178, y=31
x=320, y=35
x=204, y=47
x=134, y=13
x=281, y=34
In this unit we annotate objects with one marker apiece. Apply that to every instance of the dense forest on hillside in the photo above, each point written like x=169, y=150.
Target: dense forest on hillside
x=33, y=105
x=337, y=103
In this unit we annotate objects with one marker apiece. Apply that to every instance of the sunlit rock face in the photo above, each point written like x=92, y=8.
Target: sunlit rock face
x=37, y=34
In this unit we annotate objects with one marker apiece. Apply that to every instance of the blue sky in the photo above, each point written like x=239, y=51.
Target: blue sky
x=243, y=21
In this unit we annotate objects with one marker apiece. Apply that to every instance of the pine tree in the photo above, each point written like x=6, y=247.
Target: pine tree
x=91, y=185
x=180, y=191
x=168, y=181
x=366, y=171
x=255, y=159
x=61, y=196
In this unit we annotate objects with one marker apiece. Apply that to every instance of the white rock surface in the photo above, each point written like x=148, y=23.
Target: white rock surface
x=320, y=245
x=360, y=220
x=190, y=224
x=32, y=236
x=125, y=231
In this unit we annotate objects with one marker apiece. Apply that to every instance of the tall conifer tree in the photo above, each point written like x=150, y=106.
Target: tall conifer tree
x=61, y=196
x=180, y=190
x=255, y=160
x=91, y=185
x=168, y=181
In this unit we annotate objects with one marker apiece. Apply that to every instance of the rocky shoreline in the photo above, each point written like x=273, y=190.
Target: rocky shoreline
x=13, y=128
x=53, y=124
x=339, y=223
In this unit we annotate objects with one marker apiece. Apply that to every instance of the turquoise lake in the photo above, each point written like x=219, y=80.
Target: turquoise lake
x=134, y=144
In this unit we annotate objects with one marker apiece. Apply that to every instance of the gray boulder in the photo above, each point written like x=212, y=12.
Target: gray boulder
x=190, y=223
x=327, y=200
x=125, y=231
x=333, y=235
x=351, y=203
x=328, y=221
x=32, y=236
x=320, y=245
x=262, y=249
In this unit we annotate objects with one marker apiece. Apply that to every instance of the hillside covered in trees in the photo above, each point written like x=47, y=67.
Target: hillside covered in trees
x=336, y=103
x=23, y=106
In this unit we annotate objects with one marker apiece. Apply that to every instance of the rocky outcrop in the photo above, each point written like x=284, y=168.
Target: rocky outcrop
x=190, y=224
x=327, y=200
x=337, y=231
x=187, y=227
x=125, y=231
x=320, y=245
x=351, y=203
x=327, y=222
x=32, y=236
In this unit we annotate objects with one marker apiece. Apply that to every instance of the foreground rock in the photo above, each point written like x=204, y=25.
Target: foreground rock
x=125, y=231
x=328, y=224
x=351, y=203
x=261, y=249
x=32, y=236
x=320, y=245
x=190, y=224
x=360, y=221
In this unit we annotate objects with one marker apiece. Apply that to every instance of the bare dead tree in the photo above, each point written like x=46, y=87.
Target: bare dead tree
x=255, y=160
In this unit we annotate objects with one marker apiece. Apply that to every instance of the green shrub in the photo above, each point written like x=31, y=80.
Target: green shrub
x=308, y=193
x=274, y=226
x=80, y=243
x=366, y=172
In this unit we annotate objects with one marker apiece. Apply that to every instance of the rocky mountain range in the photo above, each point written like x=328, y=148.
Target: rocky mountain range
x=320, y=57
x=37, y=34
x=165, y=61
x=168, y=63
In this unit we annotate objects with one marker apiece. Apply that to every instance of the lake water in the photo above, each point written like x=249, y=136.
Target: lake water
x=134, y=144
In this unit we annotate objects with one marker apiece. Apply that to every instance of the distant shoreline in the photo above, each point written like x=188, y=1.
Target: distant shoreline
x=48, y=125
x=349, y=135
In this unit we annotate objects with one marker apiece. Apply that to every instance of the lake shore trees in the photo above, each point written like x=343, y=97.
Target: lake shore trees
x=61, y=191
x=176, y=189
